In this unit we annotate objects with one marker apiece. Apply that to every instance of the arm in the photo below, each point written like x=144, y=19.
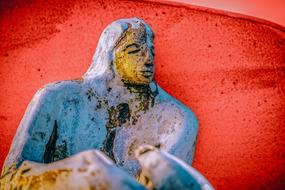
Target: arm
x=86, y=170
x=34, y=131
x=185, y=148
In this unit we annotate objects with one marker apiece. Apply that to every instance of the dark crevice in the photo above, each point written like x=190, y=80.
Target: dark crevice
x=124, y=113
x=117, y=116
x=109, y=143
x=51, y=145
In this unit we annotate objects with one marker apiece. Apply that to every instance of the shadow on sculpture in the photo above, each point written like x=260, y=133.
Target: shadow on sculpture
x=116, y=107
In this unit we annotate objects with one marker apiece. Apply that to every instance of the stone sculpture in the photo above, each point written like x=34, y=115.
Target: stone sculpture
x=115, y=107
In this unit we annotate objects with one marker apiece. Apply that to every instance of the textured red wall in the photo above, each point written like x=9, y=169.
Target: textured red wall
x=272, y=10
x=228, y=68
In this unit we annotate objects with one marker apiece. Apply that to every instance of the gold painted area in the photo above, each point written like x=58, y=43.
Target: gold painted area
x=24, y=179
x=133, y=58
x=144, y=180
x=31, y=176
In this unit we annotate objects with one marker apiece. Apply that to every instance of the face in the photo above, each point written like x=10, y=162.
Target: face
x=134, y=55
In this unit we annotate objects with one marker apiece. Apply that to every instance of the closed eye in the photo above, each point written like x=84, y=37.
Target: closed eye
x=134, y=51
x=132, y=48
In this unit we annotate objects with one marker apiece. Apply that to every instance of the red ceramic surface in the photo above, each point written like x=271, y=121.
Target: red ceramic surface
x=228, y=68
x=272, y=10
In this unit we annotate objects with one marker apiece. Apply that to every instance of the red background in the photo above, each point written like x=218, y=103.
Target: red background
x=228, y=68
x=272, y=10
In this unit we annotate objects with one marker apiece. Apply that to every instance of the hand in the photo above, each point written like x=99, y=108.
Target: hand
x=161, y=170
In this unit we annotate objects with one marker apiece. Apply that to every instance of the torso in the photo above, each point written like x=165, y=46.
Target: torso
x=83, y=118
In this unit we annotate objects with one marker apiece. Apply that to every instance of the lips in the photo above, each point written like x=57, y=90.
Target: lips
x=147, y=73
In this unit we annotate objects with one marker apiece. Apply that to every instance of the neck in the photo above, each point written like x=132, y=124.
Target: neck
x=143, y=91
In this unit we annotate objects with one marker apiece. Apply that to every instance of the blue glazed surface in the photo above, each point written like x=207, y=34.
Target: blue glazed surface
x=101, y=112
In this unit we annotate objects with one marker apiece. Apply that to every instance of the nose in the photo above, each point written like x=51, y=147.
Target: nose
x=149, y=58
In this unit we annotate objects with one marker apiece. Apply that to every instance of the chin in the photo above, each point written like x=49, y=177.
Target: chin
x=147, y=80
x=143, y=82
x=140, y=80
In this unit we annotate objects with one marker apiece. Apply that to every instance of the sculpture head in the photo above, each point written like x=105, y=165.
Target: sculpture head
x=125, y=51
x=134, y=55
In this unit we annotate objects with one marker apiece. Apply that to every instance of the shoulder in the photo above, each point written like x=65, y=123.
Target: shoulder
x=54, y=89
x=49, y=95
x=171, y=103
x=67, y=85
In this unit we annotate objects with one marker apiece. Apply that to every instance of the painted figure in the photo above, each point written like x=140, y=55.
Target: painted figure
x=115, y=107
